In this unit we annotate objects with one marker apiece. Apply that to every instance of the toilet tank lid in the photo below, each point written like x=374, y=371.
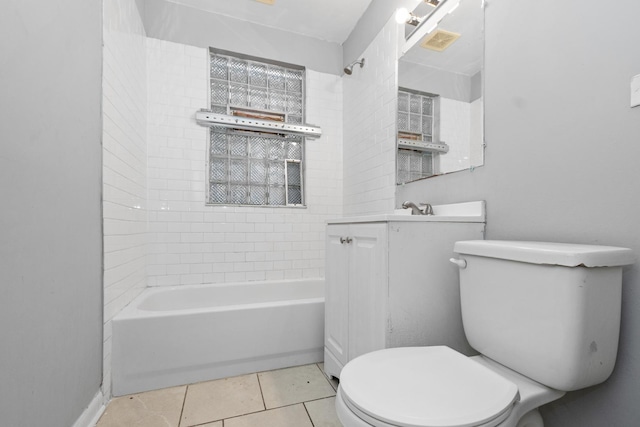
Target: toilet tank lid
x=565, y=254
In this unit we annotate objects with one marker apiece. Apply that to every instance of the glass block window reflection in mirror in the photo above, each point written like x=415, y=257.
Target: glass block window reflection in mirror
x=249, y=167
x=416, y=119
x=418, y=139
x=414, y=165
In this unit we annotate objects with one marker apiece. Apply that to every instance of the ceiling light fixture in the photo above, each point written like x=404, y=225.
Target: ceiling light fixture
x=403, y=16
x=430, y=21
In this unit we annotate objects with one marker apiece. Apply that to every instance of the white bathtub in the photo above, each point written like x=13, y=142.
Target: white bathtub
x=181, y=335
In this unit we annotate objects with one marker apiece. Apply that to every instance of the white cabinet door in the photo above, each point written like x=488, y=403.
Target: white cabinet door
x=368, y=290
x=337, y=292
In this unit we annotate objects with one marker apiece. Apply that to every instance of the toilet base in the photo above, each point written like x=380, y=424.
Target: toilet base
x=532, y=395
x=531, y=419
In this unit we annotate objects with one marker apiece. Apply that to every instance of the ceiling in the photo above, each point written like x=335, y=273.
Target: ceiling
x=465, y=56
x=329, y=20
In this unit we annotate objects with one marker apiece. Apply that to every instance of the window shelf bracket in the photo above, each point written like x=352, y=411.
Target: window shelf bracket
x=208, y=119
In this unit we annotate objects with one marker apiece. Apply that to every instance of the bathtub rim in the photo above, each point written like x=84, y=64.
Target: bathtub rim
x=133, y=310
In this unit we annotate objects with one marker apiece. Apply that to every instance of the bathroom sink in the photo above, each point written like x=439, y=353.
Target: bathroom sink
x=455, y=212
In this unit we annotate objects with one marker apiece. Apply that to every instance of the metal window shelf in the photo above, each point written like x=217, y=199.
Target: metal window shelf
x=208, y=118
x=423, y=145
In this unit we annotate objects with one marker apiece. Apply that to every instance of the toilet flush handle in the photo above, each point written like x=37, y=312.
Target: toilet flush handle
x=461, y=263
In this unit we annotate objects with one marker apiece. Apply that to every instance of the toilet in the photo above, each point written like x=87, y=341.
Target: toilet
x=545, y=320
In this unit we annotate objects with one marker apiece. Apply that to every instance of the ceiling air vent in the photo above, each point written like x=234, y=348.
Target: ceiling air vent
x=439, y=40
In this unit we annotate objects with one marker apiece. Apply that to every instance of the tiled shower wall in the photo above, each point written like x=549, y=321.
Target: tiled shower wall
x=455, y=128
x=191, y=243
x=476, y=151
x=370, y=96
x=124, y=163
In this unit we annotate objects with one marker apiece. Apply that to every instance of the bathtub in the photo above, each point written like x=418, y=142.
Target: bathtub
x=181, y=335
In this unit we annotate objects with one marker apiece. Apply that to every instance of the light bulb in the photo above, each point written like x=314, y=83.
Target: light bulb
x=402, y=15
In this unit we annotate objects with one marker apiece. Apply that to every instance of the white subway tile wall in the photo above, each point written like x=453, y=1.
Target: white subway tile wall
x=370, y=96
x=476, y=133
x=455, y=130
x=191, y=243
x=124, y=164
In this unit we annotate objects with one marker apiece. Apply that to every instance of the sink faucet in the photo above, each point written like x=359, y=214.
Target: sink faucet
x=428, y=209
x=415, y=210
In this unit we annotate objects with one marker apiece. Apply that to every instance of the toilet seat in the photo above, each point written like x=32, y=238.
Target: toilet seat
x=425, y=387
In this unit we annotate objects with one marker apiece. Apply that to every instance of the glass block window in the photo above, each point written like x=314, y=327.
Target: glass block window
x=255, y=168
x=417, y=121
x=414, y=165
x=416, y=115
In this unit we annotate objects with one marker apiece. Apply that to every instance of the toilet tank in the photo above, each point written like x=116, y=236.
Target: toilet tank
x=549, y=311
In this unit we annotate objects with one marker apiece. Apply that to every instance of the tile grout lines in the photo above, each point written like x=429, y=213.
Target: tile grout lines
x=261, y=393
x=223, y=422
x=184, y=399
x=308, y=415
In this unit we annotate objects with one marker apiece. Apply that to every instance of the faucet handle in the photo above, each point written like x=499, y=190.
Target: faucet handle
x=428, y=209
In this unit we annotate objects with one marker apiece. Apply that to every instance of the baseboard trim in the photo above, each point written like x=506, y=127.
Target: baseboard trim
x=92, y=413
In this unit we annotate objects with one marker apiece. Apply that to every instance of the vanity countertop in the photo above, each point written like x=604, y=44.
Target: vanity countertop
x=456, y=212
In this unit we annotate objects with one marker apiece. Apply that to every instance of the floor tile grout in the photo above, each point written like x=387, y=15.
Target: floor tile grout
x=235, y=416
x=260, y=376
x=326, y=377
x=308, y=414
x=296, y=403
x=184, y=400
x=264, y=404
x=320, y=398
x=270, y=409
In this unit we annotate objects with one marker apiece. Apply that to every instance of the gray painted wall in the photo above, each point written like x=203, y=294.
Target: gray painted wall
x=562, y=159
x=173, y=22
x=141, y=6
x=50, y=221
x=433, y=80
x=476, y=86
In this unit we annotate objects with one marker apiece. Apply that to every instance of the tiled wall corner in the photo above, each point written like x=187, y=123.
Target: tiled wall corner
x=370, y=96
x=192, y=243
x=124, y=163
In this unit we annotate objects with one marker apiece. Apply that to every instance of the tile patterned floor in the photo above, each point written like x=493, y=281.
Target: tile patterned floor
x=301, y=396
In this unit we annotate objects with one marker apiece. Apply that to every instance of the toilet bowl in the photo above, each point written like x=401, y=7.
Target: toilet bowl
x=435, y=386
x=533, y=311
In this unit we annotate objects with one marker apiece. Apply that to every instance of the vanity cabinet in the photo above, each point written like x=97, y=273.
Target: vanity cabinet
x=355, y=291
x=389, y=283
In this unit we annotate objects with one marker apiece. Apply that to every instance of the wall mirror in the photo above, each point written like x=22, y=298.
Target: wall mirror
x=440, y=96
